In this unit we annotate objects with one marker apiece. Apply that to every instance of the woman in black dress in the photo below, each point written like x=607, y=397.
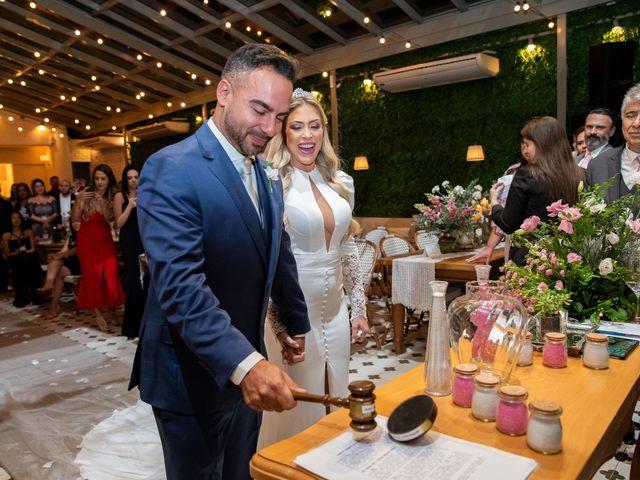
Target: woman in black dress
x=551, y=174
x=124, y=208
x=19, y=248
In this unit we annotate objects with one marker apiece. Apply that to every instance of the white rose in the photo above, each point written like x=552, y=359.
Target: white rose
x=446, y=183
x=605, y=267
x=478, y=187
x=599, y=207
x=435, y=189
x=612, y=238
x=477, y=195
x=458, y=190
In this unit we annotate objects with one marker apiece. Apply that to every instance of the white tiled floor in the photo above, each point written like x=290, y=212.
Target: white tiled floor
x=113, y=352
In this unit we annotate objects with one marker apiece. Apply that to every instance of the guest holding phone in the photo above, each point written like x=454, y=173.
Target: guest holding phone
x=93, y=213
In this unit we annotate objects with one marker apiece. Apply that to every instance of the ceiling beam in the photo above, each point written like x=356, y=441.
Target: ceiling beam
x=108, y=30
x=268, y=25
x=311, y=17
x=357, y=14
x=407, y=8
x=460, y=5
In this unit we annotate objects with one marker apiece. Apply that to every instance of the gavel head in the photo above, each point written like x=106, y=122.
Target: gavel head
x=362, y=406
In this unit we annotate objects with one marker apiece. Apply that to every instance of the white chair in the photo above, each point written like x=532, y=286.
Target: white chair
x=392, y=246
x=368, y=254
x=421, y=238
x=376, y=235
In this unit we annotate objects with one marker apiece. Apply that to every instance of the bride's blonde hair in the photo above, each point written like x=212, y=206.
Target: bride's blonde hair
x=327, y=162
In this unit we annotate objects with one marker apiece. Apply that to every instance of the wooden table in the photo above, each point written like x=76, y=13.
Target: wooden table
x=597, y=413
x=451, y=270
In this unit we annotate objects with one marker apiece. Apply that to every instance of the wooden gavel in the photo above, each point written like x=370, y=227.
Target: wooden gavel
x=361, y=404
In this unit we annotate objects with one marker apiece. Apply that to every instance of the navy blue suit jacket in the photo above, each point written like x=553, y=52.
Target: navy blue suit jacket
x=213, y=268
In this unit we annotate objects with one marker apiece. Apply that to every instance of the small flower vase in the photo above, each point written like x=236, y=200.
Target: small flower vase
x=448, y=243
x=464, y=240
x=437, y=366
x=551, y=323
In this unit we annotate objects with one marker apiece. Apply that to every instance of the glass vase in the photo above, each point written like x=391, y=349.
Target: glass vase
x=437, y=366
x=550, y=323
x=487, y=328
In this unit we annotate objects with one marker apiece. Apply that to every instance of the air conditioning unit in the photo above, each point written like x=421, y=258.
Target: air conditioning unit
x=439, y=72
x=102, y=143
x=160, y=129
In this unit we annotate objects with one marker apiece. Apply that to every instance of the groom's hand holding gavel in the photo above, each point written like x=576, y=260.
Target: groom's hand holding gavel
x=268, y=388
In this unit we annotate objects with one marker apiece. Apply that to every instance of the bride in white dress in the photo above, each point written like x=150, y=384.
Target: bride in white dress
x=318, y=204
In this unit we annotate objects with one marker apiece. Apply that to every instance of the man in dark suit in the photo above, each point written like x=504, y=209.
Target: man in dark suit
x=621, y=166
x=212, y=228
x=599, y=127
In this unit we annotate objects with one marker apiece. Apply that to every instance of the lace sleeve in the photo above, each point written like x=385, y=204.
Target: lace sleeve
x=273, y=316
x=352, y=278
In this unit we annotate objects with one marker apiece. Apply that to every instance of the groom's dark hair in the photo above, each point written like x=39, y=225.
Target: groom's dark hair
x=256, y=55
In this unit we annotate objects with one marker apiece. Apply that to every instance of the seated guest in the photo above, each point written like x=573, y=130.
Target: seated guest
x=59, y=265
x=551, y=174
x=18, y=246
x=599, y=127
x=43, y=209
x=621, y=166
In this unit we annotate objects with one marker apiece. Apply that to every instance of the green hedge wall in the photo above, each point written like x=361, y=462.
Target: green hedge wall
x=415, y=140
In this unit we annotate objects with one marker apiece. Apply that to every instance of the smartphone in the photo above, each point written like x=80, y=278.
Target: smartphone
x=90, y=188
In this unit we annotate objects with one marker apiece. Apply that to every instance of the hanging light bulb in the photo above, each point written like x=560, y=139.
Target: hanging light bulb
x=531, y=46
x=525, y=6
x=551, y=24
x=517, y=7
x=382, y=40
x=408, y=44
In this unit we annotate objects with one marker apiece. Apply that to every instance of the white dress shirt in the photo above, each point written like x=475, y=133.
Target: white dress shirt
x=629, y=167
x=238, y=161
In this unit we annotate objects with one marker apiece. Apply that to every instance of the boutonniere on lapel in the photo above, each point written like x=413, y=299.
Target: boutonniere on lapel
x=272, y=174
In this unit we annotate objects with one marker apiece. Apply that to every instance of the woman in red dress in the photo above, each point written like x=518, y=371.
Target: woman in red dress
x=92, y=214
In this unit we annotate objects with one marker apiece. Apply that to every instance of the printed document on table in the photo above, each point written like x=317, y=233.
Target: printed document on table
x=620, y=329
x=432, y=456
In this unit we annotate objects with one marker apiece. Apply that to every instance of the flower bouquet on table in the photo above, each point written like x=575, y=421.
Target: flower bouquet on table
x=578, y=260
x=449, y=210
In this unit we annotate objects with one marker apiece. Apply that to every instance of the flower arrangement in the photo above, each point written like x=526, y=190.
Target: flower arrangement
x=449, y=208
x=578, y=259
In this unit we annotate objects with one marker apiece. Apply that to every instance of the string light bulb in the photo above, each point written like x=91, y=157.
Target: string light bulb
x=366, y=19
x=551, y=24
x=163, y=12
x=408, y=44
x=77, y=32
x=525, y=6
x=517, y=7
x=227, y=24
x=325, y=74
x=382, y=40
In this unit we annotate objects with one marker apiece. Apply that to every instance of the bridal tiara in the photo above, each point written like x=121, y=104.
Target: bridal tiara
x=299, y=92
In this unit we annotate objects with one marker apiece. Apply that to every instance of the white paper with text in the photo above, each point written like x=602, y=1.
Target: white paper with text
x=433, y=456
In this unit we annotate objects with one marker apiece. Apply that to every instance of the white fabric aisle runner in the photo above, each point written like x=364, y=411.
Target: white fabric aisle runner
x=125, y=446
x=411, y=277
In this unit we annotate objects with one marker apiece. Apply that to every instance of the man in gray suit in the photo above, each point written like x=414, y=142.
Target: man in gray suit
x=621, y=166
x=599, y=127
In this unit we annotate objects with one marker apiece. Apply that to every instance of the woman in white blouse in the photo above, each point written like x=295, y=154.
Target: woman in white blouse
x=318, y=203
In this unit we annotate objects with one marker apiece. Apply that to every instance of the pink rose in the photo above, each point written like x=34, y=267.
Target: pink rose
x=521, y=282
x=634, y=225
x=548, y=272
x=542, y=286
x=573, y=257
x=566, y=226
x=555, y=208
x=530, y=224
x=559, y=285
x=562, y=273
x=570, y=214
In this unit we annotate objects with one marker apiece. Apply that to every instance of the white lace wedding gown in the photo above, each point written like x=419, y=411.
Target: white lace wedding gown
x=323, y=273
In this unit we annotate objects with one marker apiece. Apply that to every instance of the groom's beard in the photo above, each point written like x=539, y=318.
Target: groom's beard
x=593, y=141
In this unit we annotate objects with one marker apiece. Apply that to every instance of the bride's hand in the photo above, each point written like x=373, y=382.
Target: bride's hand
x=292, y=349
x=359, y=329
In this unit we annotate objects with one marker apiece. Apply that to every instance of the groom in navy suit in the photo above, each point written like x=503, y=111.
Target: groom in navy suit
x=211, y=224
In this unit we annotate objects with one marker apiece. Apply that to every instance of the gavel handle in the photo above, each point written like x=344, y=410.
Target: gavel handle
x=323, y=399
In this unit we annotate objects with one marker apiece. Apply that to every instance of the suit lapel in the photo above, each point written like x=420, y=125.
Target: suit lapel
x=271, y=200
x=223, y=169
